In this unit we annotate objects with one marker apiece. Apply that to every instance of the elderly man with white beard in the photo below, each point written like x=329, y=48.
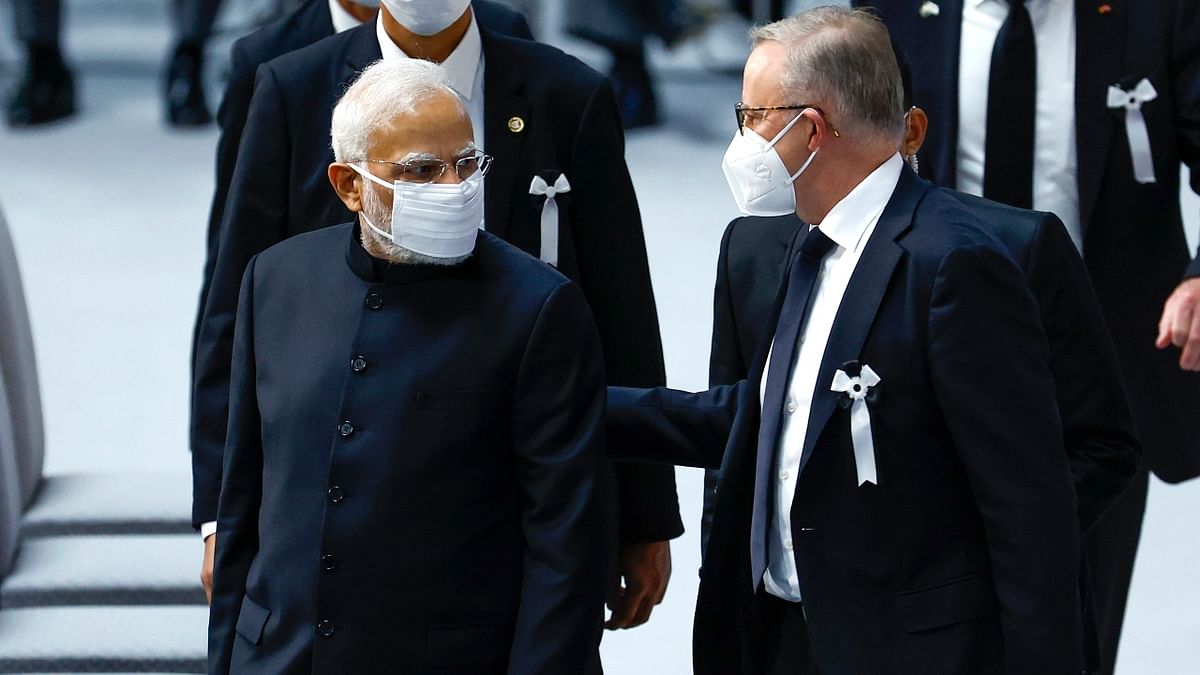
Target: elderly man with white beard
x=415, y=441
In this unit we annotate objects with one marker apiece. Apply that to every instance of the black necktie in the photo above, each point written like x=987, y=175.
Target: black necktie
x=801, y=282
x=802, y=279
x=1011, y=111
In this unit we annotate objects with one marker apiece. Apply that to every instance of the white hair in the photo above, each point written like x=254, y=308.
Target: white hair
x=384, y=90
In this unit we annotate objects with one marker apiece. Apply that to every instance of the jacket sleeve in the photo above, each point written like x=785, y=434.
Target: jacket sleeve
x=1098, y=427
x=725, y=365
x=1185, y=76
x=558, y=437
x=989, y=369
x=241, y=492
x=615, y=277
x=671, y=426
x=255, y=217
x=231, y=117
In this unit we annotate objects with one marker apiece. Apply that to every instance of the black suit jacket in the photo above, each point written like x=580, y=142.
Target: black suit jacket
x=1098, y=427
x=1134, y=245
x=280, y=189
x=411, y=478
x=964, y=557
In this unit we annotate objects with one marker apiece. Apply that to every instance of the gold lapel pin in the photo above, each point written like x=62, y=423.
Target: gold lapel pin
x=929, y=9
x=516, y=125
x=1105, y=8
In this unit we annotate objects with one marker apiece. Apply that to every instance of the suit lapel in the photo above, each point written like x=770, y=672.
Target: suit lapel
x=317, y=20
x=1099, y=54
x=861, y=301
x=362, y=49
x=504, y=105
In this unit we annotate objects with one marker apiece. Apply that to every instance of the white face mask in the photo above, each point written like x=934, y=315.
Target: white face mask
x=439, y=220
x=426, y=17
x=757, y=177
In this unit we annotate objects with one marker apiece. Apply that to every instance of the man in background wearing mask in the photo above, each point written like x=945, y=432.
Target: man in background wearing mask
x=416, y=430
x=895, y=488
x=551, y=122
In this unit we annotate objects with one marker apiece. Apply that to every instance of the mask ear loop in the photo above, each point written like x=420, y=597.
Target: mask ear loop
x=788, y=127
x=804, y=166
x=372, y=177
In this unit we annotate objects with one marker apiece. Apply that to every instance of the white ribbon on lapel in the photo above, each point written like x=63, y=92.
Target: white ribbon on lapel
x=857, y=388
x=550, y=214
x=1135, y=126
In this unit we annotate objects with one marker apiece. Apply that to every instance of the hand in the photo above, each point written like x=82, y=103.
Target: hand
x=206, y=567
x=1180, y=324
x=645, y=569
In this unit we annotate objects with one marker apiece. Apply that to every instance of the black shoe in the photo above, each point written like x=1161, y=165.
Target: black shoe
x=47, y=93
x=635, y=93
x=186, y=106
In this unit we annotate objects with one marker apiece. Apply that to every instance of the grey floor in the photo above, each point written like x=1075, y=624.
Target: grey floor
x=108, y=212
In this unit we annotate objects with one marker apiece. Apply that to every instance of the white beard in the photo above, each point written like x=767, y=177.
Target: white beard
x=381, y=215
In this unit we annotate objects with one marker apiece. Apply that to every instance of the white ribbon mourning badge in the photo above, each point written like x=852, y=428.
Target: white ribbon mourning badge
x=1135, y=125
x=550, y=218
x=859, y=389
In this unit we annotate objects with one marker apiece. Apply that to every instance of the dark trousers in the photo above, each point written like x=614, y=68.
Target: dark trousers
x=39, y=22
x=786, y=637
x=1111, y=547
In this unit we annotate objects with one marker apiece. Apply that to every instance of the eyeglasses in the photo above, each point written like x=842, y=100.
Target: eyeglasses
x=427, y=170
x=755, y=112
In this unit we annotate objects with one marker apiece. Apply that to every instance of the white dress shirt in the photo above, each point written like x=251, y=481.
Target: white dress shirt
x=342, y=20
x=849, y=224
x=1055, y=185
x=464, y=67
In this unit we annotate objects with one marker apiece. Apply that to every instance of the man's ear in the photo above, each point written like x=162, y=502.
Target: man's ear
x=348, y=185
x=916, y=124
x=822, y=131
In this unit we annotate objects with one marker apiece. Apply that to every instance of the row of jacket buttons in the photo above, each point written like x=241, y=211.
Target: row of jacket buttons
x=336, y=494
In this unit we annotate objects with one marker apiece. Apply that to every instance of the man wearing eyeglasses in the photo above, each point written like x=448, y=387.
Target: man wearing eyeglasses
x=895, y=495
x=415, y=440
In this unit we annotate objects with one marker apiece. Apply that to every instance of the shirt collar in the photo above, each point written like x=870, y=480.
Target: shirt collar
x=342, y=20
x=849, y=219
x=462, y=64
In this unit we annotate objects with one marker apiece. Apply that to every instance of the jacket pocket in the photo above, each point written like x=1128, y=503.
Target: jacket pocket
x=469, y=643
x=252, y=619
x=453, y=400
x=947, y=603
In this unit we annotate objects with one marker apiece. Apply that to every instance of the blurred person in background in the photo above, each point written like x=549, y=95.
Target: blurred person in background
x=622, y=27
x=46, y=92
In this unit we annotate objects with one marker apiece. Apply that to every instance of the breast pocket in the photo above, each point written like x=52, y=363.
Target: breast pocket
x=473, y=399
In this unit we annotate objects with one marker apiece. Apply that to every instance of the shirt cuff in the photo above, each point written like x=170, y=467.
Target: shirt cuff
x=208, y=529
